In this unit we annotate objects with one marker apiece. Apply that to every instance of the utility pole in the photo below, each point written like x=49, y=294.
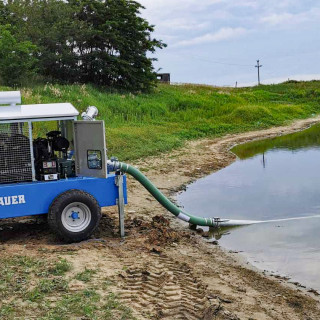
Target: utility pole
x=258, y=66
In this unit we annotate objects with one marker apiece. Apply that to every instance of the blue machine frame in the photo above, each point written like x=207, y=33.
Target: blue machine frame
x=35, y=198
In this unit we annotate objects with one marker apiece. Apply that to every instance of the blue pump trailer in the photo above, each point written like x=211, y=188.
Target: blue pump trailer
x=51, y=163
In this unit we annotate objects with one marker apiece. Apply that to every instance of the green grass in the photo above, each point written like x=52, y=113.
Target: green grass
x=148, y=124
x=60, y=267
x=40, y=288
x=86, y=275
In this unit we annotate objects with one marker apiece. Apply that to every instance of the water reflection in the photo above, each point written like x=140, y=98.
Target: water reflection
x=218, y=233
x=307, y=139
x=273, y=179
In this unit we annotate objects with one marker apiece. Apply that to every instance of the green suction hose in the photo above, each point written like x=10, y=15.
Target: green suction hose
x=160, y=197
x=114, y=165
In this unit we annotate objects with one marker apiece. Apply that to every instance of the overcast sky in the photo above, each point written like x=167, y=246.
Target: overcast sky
x=218, y=41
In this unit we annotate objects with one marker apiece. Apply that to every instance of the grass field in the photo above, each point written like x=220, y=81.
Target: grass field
x=148, y=124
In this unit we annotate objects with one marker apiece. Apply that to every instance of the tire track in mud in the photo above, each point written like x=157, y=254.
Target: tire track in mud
x=165, y=288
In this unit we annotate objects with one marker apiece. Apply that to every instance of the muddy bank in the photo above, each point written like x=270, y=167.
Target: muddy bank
x=163, y=270
x=254, y=295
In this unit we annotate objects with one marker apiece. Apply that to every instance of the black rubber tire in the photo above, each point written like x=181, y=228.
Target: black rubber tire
x=60, y=203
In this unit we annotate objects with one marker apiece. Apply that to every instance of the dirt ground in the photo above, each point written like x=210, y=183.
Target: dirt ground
x=162, y=269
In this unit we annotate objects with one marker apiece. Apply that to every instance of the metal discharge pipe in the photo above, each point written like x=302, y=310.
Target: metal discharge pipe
x=166, y=203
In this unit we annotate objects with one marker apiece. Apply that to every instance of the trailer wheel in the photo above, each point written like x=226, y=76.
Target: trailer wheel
x=74, y=215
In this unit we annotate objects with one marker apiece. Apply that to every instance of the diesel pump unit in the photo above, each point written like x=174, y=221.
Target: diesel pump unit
x=51, y=163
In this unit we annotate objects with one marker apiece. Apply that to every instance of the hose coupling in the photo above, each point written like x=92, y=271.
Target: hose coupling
x=113, y=164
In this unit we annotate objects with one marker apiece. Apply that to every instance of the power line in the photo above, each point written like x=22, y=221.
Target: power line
x=223, y=63
x=209, y=60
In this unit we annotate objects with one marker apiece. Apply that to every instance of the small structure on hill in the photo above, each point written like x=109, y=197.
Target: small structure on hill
x=163, y=77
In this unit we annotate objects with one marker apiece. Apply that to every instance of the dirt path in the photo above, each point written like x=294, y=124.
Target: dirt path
x=163, y=270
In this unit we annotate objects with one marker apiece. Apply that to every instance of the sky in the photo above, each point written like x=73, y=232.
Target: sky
x=218, y=42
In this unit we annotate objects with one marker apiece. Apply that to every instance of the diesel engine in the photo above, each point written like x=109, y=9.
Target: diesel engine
x=52, y=159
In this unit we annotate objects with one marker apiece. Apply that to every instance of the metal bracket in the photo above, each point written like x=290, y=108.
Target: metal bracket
x=31, y=151
x=120, y=203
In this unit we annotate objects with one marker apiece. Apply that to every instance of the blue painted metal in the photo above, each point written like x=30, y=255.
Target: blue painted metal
x=74, y=215
x=34, y=198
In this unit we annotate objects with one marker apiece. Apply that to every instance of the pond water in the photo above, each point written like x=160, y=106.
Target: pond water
x=272, y=179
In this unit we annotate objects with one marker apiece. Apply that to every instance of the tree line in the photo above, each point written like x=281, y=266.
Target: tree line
x=103, y=42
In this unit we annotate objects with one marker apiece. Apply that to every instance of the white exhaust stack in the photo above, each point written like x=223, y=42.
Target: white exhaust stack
x=90, y=114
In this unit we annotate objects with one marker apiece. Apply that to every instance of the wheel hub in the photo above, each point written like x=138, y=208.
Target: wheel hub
x=76, y=217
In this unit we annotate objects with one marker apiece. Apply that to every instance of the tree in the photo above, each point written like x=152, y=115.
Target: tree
x=17, y=59
x=51, y=26
x=114, y=43
x=104, y=42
